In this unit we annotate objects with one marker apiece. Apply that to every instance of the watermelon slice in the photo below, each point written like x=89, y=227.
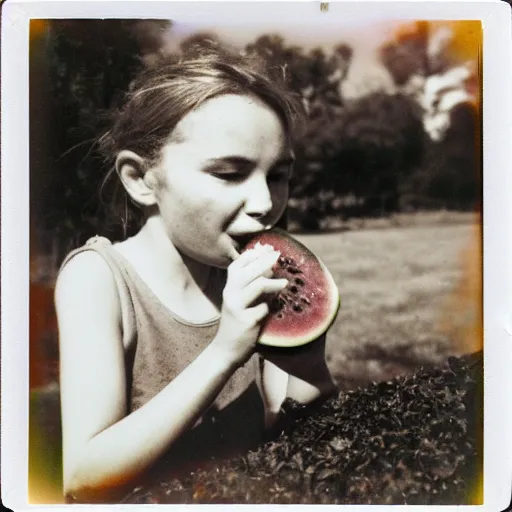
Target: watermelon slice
x=308, y=306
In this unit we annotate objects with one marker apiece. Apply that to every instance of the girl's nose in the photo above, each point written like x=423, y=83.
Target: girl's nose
x=259, y=200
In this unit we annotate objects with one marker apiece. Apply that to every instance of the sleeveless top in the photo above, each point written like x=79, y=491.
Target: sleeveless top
x=158, y=346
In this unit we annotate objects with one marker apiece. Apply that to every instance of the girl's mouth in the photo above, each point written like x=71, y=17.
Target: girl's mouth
x=242, y=240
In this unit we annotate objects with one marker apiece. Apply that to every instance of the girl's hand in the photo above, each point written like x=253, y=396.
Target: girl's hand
x=244, y=308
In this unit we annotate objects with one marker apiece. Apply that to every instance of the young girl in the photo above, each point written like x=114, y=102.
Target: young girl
x=158, y=333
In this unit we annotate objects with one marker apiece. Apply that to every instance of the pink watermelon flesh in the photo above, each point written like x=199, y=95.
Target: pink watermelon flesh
x=306, y=308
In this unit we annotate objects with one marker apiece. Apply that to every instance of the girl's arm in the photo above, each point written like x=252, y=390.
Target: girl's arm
x=103, y=448
x=310, y=378
x=301, y=374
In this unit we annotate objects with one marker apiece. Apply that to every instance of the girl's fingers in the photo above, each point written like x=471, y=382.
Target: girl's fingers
x=233, y=253
x=249, y=256
x=259, y=287
x=262, y=266
x=260, y=311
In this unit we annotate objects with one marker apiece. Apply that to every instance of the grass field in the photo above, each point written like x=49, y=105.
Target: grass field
x=395, y=286
x=406, y=299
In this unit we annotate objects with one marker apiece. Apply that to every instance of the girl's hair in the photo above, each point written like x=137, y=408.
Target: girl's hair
x=162, y=95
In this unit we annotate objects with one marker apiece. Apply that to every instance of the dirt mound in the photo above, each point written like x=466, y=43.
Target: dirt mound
x=410, y=440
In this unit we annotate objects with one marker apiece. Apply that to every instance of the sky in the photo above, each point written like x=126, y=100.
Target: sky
x=363, y=35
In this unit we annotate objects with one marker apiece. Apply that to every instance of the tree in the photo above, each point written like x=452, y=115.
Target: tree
x=407, y=54
x=381, y=141
x=291, y=60
x=362, y=157
x=450, y=175
x=315, y=75
x=325, y=74
x=200, y=41
x=77, y=71
x=438, y=64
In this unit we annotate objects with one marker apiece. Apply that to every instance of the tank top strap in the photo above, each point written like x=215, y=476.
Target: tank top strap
x=103, y=246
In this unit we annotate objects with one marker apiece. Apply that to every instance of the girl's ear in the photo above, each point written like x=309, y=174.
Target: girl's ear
x=130, y=168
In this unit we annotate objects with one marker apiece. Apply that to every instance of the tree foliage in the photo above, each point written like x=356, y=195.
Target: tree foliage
x=407, y=55
x=366, y=153
x=78, y=70
x=315, y=75
x=427, y=60
x=450, y=174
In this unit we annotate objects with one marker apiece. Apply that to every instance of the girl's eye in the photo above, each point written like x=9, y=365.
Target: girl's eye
x=234, y=173
x=229, y=175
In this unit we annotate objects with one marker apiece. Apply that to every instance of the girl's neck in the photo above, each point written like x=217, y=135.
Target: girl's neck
x=165, y=259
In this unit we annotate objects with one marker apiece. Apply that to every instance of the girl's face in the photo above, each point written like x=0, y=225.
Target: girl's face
x=223, y=176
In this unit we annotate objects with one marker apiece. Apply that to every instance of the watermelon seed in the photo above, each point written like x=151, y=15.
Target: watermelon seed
x=279, y=315
x=297, y=307
x=277, y=303
x=299, y=281
x=294, y=289
x=305, y=300
x=286, y=299
x=294, y=270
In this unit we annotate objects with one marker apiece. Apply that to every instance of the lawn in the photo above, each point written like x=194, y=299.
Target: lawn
x=400, y=297
x=409, y=288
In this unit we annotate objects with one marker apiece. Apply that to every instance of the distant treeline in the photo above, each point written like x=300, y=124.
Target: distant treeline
x=360, y=157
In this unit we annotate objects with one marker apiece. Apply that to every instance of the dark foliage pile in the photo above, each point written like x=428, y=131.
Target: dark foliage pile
x=410, y=440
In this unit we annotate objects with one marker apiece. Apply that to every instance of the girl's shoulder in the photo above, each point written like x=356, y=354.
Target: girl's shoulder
x=96, y=244
x=87, y=265
x=86, y=293
x=92, y=278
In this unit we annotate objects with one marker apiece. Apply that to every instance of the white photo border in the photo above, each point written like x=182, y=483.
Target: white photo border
x=497, y=205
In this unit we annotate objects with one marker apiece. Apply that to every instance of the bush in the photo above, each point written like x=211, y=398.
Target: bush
x=411, y=440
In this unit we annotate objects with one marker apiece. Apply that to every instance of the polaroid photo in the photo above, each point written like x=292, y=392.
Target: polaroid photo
x=256, y=254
